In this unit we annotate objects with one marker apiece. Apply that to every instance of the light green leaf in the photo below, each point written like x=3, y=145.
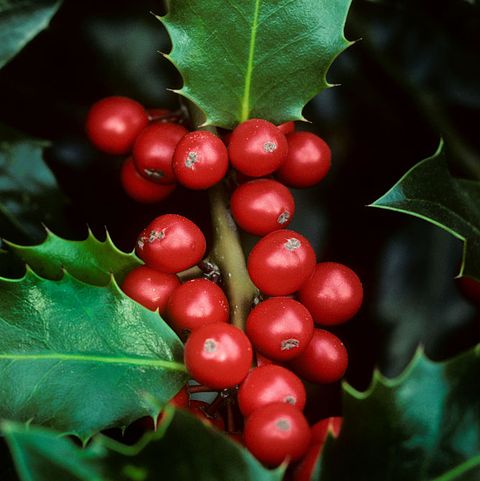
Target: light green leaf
x=429, y=191
x=183, y=449
x=90, y=260
x=422, y=426
x=81, y=358
x=20, y=22
x=255, y=58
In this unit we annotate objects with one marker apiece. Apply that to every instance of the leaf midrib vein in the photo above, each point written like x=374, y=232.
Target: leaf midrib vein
x=94, y=358
x=245, y=112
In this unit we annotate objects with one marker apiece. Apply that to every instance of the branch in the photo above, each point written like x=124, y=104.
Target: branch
x=227, y=250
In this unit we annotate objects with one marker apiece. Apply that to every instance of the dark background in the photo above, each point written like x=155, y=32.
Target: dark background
x=412, y=79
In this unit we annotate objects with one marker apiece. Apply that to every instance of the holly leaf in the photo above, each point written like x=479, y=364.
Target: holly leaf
x=20, y=22
x=81, y=358
x=181, y=450
x=262, y=58
x=43, y=455
x=430, y=192
x=421, y=426
x=29, y=194
x=417, y=300
x=90, y=260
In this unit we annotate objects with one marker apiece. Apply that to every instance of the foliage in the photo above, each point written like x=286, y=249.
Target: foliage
x=273, y=65
x=90, y=260
x=82, y=358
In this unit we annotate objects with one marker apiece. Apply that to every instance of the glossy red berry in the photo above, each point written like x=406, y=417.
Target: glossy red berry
x=328, y=426
x=280, y=328
x=333, y=294
x=141, y=189
x=149, y=287
x=308, y=160
x=113, y=124
x=304, y=470
x=262, y=206
x=171, y=243
x=257, y=148
x=268, y=384
x=287, y=127
x=156, y=114
x=276, y=432
x=470, y=289
x=200, y=160
x=281, y=262
x=324, y=360
x=153, y=151
x=218, y=355
x=196, y=303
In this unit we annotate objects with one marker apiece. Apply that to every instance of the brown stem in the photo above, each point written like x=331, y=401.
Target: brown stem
x=227, y=250
x=228, y=254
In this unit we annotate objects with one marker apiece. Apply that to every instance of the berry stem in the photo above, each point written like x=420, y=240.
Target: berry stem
x=228, y=254
x=227, y=250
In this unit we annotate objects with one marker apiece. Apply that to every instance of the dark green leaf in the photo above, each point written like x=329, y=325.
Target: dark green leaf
x=89, y=260
x=261, y=58
x=429, y=191
x=43, y=455
x=28, y=190
x=20, y=22
x=417, y=299
x=184, y=449
x=420, y=426
x=81, y=358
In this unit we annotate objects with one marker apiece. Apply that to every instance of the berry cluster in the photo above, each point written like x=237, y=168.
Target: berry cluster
x=258, y=371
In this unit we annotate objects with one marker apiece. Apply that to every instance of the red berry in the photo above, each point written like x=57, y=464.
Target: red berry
x=157, y=114
x=470, y=289
x=153, y=151
x=333, y=294
x=268, y=384
x=287, y=127
x=149, y=287
x=257, y=148
x=324, y=360
x=308, y=160
x=113, y=124
x=180, y=399
x=218, y=355
x=171, y=243
x=262, y=206
x=276, y=432
x=281, y=262
x=304, y=471
x=141, y=189
x=200, y=160
x=262, y=360
x=196, y=303
x=323, y=428
x=280, y=328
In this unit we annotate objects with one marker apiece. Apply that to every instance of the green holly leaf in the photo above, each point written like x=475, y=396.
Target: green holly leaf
x=29, y=194
x=90, y=260
x=417, y=300
x=262, y=58
x=430, y=192
x=421, y=426
x=20, y=22
x=181, y=450
x=82, y=358
x=43, y=455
